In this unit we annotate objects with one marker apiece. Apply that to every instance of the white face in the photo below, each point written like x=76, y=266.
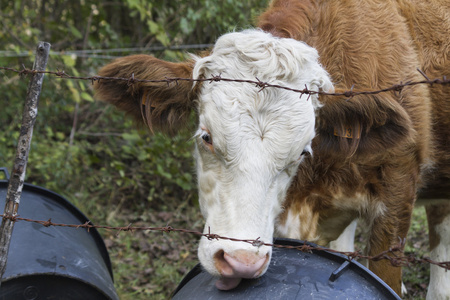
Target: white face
x=250, y=143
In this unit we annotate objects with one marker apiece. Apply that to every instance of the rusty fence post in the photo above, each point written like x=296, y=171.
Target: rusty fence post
x=23, y=147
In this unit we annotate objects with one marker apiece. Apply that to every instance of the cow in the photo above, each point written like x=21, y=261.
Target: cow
x=272, y=162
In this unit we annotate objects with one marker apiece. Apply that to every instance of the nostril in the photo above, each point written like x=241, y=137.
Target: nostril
x=221, y=264
x=246, y=264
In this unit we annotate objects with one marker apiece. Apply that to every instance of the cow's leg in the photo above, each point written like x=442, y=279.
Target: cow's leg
x=439, y=227
x=387, y=231
x=346, y=241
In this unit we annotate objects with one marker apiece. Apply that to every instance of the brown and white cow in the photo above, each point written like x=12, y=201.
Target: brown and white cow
x=272, y=161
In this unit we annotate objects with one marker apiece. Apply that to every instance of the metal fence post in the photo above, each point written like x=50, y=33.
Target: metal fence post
x=23, y=147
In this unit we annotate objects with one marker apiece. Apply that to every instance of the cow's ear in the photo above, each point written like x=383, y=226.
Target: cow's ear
x=160, y=105
x=362, y=125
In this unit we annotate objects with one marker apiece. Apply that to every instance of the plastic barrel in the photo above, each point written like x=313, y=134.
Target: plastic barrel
x=54, y=262
x=293, y=274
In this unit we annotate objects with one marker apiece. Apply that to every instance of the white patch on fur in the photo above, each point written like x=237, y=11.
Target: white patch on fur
x=290, y=228
x=404, y=290
x=361, y=204
x=346, y=241
x=439, y=287
x=300, y=223
x=258, y=135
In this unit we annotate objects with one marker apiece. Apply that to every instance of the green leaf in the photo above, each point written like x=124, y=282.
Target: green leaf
x=75, y=32
x=163, y=38
x=153, y=27
x=69, y=60
x=87, y=97
x=132, y=136
x=163, y=172
x=75, y=94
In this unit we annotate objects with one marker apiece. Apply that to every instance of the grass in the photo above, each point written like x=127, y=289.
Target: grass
x=416, y=277
x=150, y=264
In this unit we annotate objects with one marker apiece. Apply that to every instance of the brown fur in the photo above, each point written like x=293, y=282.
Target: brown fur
x=372, y=45
x=166, y=105
x=404, y=136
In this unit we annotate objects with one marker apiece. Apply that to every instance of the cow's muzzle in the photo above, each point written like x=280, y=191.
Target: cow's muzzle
x=238, y=264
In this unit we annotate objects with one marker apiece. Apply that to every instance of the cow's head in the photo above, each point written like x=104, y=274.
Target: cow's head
x=249, y=140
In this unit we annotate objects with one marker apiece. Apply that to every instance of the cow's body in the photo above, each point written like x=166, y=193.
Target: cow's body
x=253, y=175
x=374, y=45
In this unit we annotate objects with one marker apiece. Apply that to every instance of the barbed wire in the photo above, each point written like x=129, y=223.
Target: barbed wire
x=260, y=84
x=395, y=254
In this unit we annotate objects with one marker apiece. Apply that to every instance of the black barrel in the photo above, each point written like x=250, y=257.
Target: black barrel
x=293, y=274
x=54, y=262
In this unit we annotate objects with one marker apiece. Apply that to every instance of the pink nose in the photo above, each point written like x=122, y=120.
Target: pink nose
x=236, y=265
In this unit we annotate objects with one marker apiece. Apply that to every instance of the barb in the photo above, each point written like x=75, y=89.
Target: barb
x=258, y=83
x=395, y=255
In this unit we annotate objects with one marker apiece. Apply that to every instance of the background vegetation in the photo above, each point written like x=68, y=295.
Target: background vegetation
x=89, y=153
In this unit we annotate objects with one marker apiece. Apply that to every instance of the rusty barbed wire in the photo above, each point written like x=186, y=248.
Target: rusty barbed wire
x=395, y=254
x=258, y=83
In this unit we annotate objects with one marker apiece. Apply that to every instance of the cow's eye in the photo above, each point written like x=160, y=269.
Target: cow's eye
x=206, y=137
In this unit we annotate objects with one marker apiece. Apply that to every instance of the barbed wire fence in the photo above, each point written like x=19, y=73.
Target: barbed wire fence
x=395, y=254
x=397, y=258
x=217, y=78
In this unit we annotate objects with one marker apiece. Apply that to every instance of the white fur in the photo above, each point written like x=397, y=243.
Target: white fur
x=290, y=228
x=439, y=287
x=257, y=136
x=346, y=241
